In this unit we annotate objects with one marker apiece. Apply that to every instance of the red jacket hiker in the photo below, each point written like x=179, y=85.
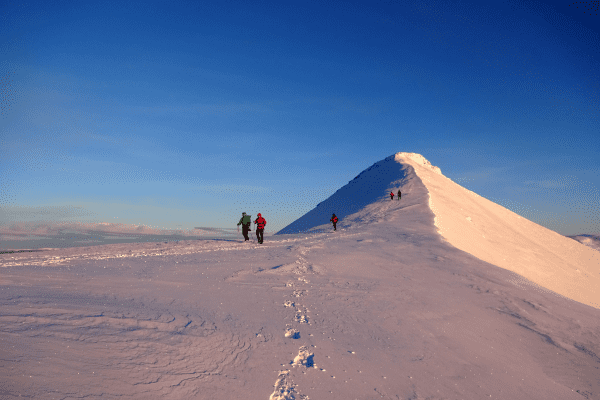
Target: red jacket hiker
x=392, y=195
x=260, y=226
x=334, y=220
x=260, y=222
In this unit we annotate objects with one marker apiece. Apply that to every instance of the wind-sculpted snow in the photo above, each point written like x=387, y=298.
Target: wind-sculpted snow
x=383, y=308
x=108, y=348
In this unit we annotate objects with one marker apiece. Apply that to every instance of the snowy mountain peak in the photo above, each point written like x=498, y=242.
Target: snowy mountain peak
x=416, y=158
x=366, y=198
x=442, y=209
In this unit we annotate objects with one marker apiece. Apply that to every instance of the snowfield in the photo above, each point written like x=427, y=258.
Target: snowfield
x=440, y=295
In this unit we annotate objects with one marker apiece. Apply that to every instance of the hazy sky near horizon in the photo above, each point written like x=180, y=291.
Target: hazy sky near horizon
x=184, y=114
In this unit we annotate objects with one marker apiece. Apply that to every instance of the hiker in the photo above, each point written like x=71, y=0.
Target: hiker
x=245, y=222
x=260, y=228
x=392, y=195
x=334, y=219
x=399, y=194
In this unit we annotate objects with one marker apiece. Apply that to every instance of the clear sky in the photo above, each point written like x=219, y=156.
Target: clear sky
x=184, y=114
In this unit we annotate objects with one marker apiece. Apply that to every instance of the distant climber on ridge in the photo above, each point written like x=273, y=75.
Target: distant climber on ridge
x=245, y=222
x=392, y=195
x=399, y=194
x=334, y=220
x=260, y=228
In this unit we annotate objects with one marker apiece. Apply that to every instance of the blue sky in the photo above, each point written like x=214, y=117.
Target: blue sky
x=184, y=114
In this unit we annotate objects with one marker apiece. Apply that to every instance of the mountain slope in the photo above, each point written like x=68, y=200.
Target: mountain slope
x=365, y=199
x=464, y=219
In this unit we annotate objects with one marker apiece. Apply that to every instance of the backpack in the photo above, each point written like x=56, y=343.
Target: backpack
x=334, y=219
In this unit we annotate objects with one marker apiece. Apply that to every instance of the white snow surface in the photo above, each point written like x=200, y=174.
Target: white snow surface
x=592, y=241
x=440, y=295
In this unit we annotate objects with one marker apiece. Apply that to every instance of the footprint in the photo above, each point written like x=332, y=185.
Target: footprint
x=304, y=358
x=292, y=333
x=285, y=389
x=301, y=318
x=289, y=303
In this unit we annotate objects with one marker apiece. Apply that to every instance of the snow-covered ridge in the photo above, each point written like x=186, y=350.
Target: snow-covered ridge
x=461, y=218
x=356, y=202
x=367, y=190
x=503, y=238
x=416, y=158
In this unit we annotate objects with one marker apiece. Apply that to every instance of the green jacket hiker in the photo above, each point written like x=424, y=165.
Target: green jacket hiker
x=245, y=222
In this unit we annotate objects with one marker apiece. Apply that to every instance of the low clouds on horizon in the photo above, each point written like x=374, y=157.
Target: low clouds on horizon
x=24, y=230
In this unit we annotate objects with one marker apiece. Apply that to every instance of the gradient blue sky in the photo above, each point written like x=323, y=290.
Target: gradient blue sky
x=184, y=114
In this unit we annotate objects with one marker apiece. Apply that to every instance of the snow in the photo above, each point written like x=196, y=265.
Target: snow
x=592, y=241
x=498, y=236
x=408, y=299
